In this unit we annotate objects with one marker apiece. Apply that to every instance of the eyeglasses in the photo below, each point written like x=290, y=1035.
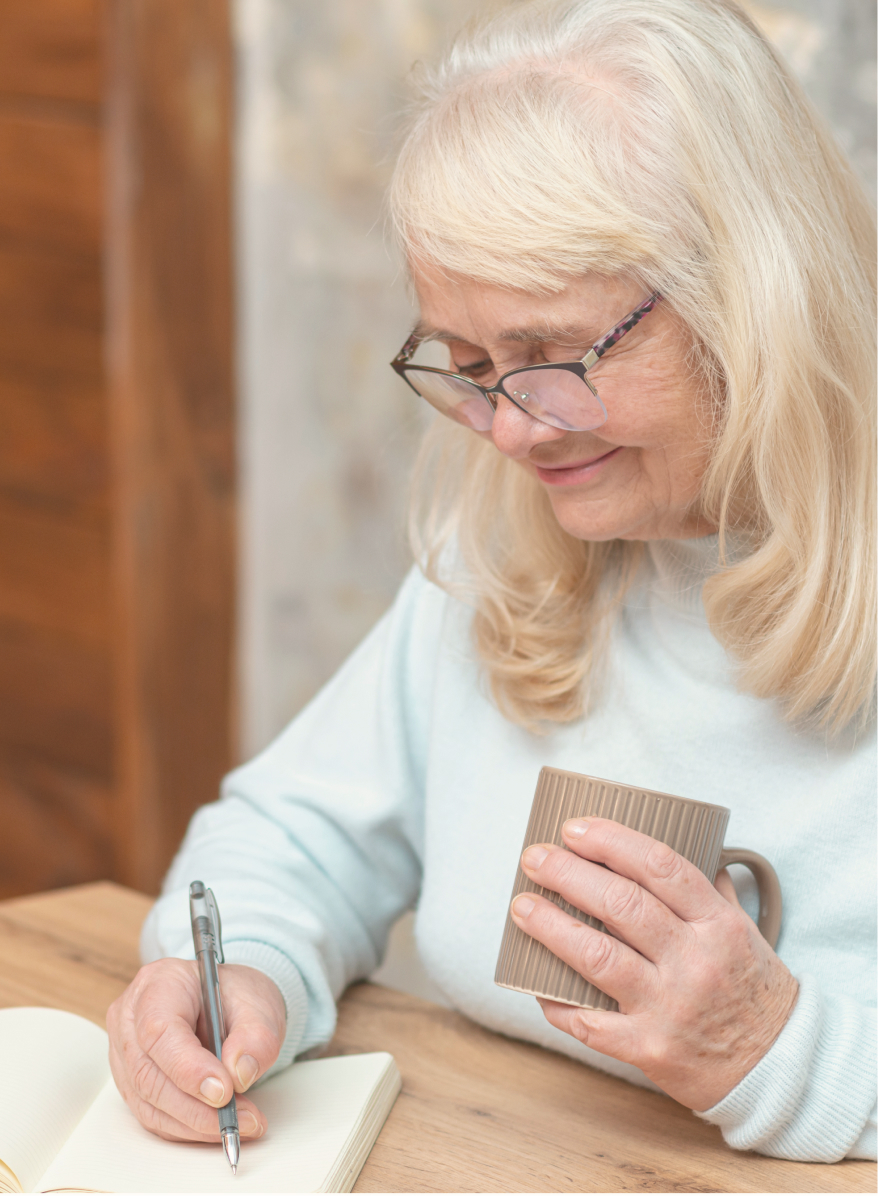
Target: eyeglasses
x=556, y=393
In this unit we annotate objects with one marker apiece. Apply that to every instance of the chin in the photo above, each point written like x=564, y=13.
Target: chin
x=581, y=523
x=581, y=528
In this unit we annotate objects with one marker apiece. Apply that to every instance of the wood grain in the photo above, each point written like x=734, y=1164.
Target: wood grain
x=51, y=187
x=172, y=415
x=491, y=1114
x=54, y=452
x=55, y=573
x=56, y=699
x=55, y=824
x=51, y=49
x=477, y=1112
x=75, y=949
x=51, y=313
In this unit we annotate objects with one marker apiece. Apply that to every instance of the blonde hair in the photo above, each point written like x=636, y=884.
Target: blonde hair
x=665, y=140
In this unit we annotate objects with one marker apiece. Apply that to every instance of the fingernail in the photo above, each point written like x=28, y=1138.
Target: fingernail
x=534, y=856
x=247, y=1068
x=576, y=828
x=213, y=1090
x=523, y=905
x=248, y=1124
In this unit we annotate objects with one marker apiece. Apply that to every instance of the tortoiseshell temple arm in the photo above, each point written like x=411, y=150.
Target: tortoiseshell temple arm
x=594, y=354
x=615, y=334
x=407, y=350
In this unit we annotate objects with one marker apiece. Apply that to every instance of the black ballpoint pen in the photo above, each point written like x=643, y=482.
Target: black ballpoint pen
x=207, y=937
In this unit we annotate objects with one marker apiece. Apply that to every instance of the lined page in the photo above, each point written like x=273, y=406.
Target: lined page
x=313, y=1110
x=53, y=1066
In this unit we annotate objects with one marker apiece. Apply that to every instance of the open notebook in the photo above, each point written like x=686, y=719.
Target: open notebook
x=64, y=1127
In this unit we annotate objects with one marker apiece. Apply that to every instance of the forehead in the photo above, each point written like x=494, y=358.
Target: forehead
x=459, y=308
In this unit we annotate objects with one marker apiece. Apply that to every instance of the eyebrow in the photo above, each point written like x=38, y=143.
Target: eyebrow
x=526, y=335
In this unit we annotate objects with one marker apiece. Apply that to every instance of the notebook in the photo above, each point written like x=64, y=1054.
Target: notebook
x=64, y=1127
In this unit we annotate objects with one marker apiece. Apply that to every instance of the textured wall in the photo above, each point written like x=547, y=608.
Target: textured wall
x=327, y=432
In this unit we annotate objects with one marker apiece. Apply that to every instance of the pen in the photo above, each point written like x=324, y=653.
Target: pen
x=207, y=937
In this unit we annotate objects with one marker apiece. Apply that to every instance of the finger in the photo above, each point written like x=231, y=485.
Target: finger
x=679, y=885
x=615, y=1034
x=140, y=1076
x=168, y=1039
x=166, y=1126
x=628, y=910
x=157, y=1121
x=616, y=970
x=255, y=1034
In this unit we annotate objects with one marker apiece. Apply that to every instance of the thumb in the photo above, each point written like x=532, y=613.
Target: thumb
x=255, y=1017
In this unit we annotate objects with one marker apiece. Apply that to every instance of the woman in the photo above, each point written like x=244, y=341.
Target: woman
x=653, y=564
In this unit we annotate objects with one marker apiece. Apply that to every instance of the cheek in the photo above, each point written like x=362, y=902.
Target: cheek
x=659, y=411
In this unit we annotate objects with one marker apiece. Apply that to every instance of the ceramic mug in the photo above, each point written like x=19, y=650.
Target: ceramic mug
x=695, y=829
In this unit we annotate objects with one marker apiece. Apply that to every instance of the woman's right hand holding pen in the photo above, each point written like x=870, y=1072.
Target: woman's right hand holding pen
x=169, y=1079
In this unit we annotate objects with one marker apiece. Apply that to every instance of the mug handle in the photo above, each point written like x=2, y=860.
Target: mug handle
x=770, y=901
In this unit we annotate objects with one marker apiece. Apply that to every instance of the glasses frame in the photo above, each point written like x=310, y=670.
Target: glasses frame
x=580, y=368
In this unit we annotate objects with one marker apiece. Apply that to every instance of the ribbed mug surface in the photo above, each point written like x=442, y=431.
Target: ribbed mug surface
x=695, y=829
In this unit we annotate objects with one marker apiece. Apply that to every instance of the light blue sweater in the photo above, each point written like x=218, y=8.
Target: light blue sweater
x=402, y=785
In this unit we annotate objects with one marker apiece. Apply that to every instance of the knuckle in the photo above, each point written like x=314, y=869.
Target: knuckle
x=580, y=1028
x=558, y=868
x=663, y=862
x=624, y=901
x=597, y=952
x=148, y=1081
x=114, y=1018
x=263, y=1041
x=151, y=1028
x=729, y=928
x=653, y=1051
x=736, y=936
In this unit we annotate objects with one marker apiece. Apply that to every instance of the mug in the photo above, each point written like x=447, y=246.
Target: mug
x=695, y=829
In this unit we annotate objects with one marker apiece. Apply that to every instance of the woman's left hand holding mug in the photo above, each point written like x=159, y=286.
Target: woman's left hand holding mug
x=701, y=994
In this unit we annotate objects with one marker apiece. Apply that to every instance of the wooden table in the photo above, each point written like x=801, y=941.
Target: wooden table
x=477, y=1112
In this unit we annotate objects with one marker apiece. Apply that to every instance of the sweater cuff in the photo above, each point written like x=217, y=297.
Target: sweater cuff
x=810, y=1097
x=286, y=975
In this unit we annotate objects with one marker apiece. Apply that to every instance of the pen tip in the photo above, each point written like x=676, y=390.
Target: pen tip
x=234, y=1169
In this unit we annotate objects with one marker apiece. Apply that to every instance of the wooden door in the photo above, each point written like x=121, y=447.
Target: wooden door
x=117, y=499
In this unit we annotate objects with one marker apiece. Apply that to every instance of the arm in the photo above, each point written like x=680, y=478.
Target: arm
x=314, y=850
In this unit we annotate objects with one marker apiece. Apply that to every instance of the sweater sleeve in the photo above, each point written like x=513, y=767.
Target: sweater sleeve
x=314, y=849
x=812, y=1097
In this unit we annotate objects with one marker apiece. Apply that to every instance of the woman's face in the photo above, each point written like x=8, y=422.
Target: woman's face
x=638, y=476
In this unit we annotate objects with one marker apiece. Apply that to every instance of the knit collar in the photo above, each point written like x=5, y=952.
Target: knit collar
x=680, y=569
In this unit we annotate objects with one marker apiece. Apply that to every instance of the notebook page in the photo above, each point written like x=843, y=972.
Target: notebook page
x=311, y=1108
x=53, y=1066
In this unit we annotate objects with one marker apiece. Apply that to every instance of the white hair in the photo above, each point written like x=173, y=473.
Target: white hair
x=666, y=140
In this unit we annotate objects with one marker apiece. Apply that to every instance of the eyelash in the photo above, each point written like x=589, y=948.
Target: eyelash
x=473, y=368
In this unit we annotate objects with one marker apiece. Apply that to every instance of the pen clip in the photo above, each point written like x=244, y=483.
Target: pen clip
x=216, y=925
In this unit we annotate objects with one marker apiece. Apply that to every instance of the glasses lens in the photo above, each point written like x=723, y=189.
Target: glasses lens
x=453, y=397
x=557, y=397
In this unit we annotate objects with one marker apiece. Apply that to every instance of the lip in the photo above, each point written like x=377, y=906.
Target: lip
x=570, y=475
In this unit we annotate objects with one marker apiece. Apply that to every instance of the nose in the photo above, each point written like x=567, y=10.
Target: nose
x=515, y=433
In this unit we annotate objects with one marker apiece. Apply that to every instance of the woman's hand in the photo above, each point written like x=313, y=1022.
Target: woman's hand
x=171, y=1082
x=701, y=994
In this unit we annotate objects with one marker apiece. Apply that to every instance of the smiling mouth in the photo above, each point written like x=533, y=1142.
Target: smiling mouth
x=561, y=475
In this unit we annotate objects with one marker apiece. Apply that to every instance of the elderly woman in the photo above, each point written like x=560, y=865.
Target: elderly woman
x=645, y=549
